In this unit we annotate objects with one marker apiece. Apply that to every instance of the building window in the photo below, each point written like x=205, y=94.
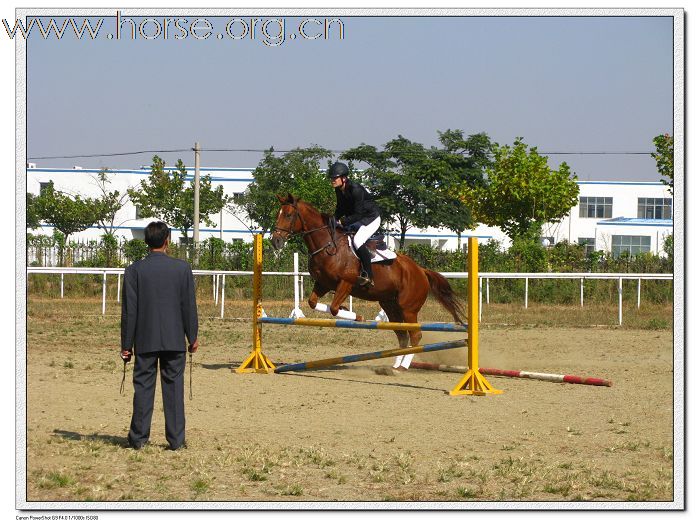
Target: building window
x=44, y=186
x=600, y=207
x=588, y=244
x=654, y=208
x=138, y=212
x=630, y=245
x=547, y=241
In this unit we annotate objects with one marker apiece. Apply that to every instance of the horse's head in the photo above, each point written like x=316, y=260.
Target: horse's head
x=288, y=221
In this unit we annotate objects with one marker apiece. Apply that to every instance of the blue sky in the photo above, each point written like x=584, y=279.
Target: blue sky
x=593, y=84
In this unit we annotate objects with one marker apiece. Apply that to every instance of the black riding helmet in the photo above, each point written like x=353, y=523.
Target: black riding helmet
x=338, y=169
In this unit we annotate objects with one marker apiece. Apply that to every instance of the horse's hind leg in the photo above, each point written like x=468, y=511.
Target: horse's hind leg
x=393, y=312
x=415, y=336
x=412, y=317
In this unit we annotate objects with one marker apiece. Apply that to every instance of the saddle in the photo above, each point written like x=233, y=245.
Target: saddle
x=375, y=242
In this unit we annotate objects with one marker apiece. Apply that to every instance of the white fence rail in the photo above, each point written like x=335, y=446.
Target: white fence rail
x=219, y=282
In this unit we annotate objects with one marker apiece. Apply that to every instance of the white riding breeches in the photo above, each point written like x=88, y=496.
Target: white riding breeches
x=364, y=233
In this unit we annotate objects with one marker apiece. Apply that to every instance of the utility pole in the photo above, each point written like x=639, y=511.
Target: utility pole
x=195, y=235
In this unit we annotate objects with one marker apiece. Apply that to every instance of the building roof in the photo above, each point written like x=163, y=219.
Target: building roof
x=636, y=221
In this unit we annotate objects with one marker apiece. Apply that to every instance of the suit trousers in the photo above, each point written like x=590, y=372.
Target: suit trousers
x=172, y=383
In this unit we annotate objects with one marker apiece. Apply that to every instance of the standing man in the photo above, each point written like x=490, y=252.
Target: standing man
x=159, y=310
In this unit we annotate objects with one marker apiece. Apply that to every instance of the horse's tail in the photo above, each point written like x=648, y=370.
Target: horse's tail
x=442, y=291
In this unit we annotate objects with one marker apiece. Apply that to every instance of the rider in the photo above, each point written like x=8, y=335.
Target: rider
x=355, y=208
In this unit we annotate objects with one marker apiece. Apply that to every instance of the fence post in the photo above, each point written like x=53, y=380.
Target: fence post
x=480, y=297
x=619, y=291
x=581, y=292
x=104, y=293
x=296, y=312
x=213, y=287
x=61, y=285
x=119, y=288
x=526, y=287
x=639, y=292
x=223, y=292
x=488, y=294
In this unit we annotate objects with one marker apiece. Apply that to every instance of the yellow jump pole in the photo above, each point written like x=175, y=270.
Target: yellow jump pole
x=257, y=362
x=473, y=382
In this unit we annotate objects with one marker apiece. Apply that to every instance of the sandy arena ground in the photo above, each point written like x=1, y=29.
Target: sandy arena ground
x=353, y=433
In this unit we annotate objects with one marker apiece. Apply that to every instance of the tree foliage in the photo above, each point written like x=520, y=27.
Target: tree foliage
x=33, y=219
x=298, y=172
x=522, y=192
x=109, y=203
x=461, y=161
x=664, y=158
x=68, y=214
x=396, y=176
x=167, y=196
x=417, y=186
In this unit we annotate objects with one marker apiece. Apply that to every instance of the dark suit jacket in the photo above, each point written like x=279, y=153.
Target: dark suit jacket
x=158, y=305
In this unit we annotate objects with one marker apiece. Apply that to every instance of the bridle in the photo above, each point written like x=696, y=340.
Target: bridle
x=304, y=232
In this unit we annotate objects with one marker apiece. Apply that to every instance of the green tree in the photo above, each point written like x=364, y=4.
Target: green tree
x=167, y=196
x=109, y=203
x=522, y=192
x=401, y=177
x=668, y=246
x=297, y=172
x=67, y=214
x=461, y=161
x=664, y=158
x=33, y=219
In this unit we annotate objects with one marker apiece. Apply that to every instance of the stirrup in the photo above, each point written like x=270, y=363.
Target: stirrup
x=364, y=281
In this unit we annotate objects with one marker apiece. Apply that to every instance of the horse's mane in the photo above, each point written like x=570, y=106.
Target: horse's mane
x=326, y=217
x=315, y=210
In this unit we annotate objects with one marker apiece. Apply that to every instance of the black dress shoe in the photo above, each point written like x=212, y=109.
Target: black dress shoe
x=132, y=445
x=178, y=448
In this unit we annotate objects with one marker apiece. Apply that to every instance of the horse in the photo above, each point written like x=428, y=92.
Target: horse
x=401, y=286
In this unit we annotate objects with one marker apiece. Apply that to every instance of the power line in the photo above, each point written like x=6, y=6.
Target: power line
x=107, y=154
x=258, y=150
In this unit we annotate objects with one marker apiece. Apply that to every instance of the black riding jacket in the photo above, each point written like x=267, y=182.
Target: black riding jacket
x=355, y=205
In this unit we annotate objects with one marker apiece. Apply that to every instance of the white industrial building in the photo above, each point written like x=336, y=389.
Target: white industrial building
x=611, y=216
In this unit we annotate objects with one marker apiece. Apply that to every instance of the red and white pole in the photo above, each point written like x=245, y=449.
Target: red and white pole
x=547, y=377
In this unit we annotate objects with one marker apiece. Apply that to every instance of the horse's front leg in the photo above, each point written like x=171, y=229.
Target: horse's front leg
x=342, y=291
x=318, y=292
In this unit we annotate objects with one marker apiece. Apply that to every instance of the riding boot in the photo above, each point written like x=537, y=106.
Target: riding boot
x=366, y=278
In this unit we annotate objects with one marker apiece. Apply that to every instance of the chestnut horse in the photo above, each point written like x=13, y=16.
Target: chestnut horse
x=401, y=286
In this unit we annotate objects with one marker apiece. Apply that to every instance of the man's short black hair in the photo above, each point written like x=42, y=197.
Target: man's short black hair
x=156, y=233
